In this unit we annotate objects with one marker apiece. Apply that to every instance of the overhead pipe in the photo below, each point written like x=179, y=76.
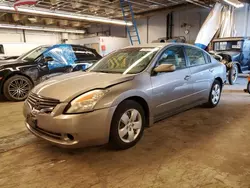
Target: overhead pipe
x=169, y=26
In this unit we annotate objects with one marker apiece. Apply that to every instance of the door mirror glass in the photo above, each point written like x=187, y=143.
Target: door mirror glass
x=165, y=68
x=47, y=59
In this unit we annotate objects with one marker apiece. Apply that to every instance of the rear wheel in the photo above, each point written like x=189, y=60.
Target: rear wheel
x=215, y=94
x=127, y=125
x=233, y=74
x=17, y=88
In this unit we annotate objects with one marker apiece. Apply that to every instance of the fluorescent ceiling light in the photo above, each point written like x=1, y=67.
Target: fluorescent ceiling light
x=34, y=28
x=235, y=3
x=63, y=14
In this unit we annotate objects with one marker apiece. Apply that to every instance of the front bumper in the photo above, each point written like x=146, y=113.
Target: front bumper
x=70, y=130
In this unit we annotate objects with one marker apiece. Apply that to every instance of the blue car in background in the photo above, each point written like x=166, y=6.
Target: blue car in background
x=18, y=76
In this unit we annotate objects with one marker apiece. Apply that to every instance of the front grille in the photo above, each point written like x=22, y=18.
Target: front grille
x=40, y=103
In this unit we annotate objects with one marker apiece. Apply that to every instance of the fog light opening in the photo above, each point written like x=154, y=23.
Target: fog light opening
x=70, y=137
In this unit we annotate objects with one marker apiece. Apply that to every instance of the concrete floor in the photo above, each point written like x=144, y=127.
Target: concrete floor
x=198, y=148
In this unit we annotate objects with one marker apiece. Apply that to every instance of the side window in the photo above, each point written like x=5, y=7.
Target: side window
x=208, y=58
x=1, y=49
x=196, y=56
x=175, y=56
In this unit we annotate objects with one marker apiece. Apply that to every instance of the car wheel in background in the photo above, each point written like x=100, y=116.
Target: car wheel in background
x=127, y=125
x=215, y=94
x=70, y=69
x=17, y=88
x=233, y=74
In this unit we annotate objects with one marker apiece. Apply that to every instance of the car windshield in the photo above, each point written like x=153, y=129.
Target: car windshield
x=228, y=45
x=126, y=61
x=33, y=54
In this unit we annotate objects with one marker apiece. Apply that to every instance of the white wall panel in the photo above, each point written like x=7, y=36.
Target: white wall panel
x=157, y=27
x=194, y=20
x=10, y=35
x=142, y=29
x=43, y=37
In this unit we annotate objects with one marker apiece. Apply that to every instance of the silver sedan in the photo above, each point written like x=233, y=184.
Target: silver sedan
x=123, y=93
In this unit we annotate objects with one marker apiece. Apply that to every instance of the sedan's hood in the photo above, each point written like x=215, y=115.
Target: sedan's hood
x=68, y=86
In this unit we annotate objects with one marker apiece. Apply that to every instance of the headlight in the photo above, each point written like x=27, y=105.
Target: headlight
x=85, y=102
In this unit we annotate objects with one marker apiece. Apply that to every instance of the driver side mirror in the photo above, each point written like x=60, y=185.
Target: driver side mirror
x=165, y=68
x=47, y=59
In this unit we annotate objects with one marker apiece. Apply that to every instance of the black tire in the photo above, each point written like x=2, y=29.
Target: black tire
x=248, y=87
x=115, y=140
x=11, y=86
x=233, y=74
x=211, y=103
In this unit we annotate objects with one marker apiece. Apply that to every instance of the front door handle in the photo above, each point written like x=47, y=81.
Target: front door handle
x=187, y=77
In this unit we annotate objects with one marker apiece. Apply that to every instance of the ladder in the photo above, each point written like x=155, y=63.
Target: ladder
x=128, y=15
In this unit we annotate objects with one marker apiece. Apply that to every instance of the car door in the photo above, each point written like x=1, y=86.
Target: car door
x=171, y=90
x=201, y=72
x=42, y=66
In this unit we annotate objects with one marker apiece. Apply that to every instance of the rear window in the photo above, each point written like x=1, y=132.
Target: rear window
x=83, y=53
x=196, y=57
x=208, y=58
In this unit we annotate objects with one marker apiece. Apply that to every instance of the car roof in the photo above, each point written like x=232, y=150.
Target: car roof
x=160, y=45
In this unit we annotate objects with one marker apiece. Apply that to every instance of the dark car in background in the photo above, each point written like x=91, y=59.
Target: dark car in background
x=234, y=52
x=18, y=76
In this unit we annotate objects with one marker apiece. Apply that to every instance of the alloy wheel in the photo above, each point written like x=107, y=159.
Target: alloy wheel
x=216, y=92
x=19, y=89
x=235, y=74
x=130, y=125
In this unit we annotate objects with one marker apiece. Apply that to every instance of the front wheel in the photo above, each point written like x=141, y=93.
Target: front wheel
x=127, y=125
x=215, y=94
x=233, y=74
x=17, y=88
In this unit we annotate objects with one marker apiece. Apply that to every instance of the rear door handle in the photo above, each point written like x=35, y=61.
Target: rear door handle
x=211, y=70
x=187, y=77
